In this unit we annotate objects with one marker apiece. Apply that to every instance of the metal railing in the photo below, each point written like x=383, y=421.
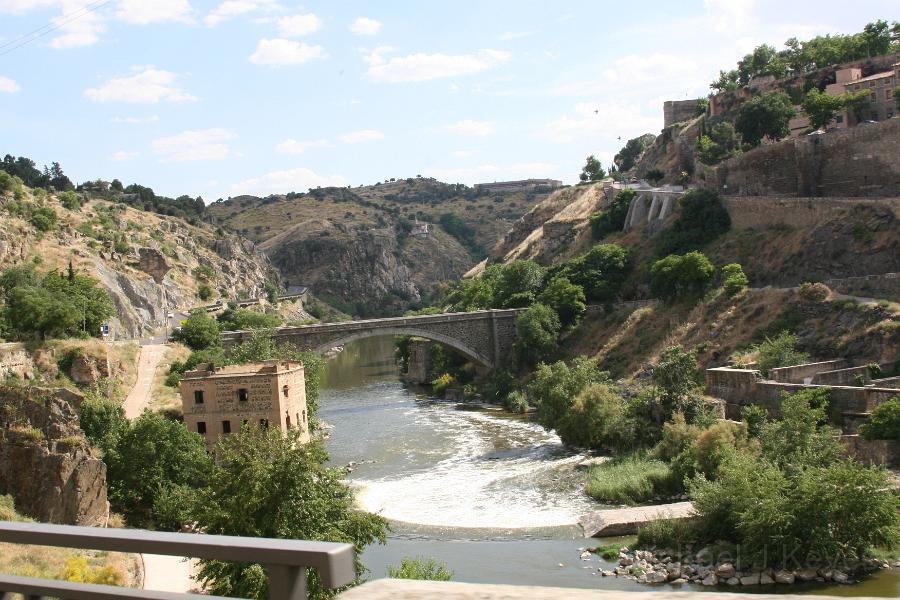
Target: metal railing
x=286, y=561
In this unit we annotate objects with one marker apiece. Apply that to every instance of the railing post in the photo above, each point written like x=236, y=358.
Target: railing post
x=286, y=583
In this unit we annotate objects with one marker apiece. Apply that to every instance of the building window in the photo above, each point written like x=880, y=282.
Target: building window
x=284, y=390
x=201, y=427
x=288, y=421
x=304, y=416
x=839, y=119
x=226, y=427
x=242, y=395
x=888, y=93
x=198, y=396
x=264, y=423
x=874, y=115
x=856, y=87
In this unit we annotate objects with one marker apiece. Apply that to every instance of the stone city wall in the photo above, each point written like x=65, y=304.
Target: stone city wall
x=850, y=376
x=763, y=212
x=800, y=373
x=860, y=161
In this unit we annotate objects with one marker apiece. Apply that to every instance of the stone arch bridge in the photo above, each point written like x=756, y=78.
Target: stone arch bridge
x=484, y=336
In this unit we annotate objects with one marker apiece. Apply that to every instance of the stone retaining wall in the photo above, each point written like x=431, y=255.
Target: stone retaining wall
x=886, y=286
x=800, y=373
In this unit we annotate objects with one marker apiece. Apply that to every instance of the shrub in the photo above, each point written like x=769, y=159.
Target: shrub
x=556, y=385
x=780, y=351
x=676, y=375
x=654, y=176
x=121, y=245
x=204, y=292
x=103, y=421
x=566, y=299
x=69, y=200
x=714, y=444
x=44, y=218
x=884, y=422
x=516, y=402
x=205, y=272
x=440, y=385
x=681, y=277
x=601, y=271
x=813, y=292
x=78, y=570
x=598, y=419
x=702, y=218
x=199, y=331
x=420, y=568
x=630, y=480
x=733, y=279
x=677, y=436
x=667, y=533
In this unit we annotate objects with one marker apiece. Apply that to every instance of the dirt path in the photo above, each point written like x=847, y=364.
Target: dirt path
x=169, y=573
x=139, y=396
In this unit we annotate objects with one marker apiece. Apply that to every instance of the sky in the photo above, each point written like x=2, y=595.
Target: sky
x=222, y=98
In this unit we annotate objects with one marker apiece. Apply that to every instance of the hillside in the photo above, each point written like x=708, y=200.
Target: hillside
x=150, y=264
x=356, y=248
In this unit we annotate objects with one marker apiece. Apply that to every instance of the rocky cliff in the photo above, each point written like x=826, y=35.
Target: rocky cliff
x=45, y=460
x=375, y=249
x=151, y=264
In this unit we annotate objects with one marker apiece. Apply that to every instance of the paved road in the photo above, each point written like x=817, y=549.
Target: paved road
x=139, y=396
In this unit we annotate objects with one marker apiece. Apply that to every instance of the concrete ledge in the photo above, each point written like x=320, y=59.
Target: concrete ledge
x=404, y=589
x=625, y=521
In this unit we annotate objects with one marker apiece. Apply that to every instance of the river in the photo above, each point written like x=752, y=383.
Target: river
x=493, y=496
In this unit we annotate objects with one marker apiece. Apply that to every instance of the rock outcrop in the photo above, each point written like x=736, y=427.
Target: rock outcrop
x=45, y=460
x=153, y=262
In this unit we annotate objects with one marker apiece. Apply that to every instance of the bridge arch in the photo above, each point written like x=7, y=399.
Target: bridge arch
x=467, y=351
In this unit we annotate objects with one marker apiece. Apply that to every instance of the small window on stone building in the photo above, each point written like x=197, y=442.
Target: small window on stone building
x=226, y=427
x=284, y=390
x=242, y=395
x=288, y=422
x=264, y=423
x=839, y=119
x=198, y=396
x=304, y=416
x=888, y=93
x=201, y=427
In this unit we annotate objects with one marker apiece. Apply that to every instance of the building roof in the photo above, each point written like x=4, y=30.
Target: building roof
x=881, y=75
x=268, y=367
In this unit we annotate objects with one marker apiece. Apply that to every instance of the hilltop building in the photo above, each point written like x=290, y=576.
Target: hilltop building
x=523, y=184
x=420, y=230
x=678, y=111
x=218, y=401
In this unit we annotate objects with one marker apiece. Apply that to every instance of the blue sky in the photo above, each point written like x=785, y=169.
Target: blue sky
x=220, y=98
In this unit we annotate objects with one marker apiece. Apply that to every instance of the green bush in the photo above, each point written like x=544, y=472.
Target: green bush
x=720, y=143
x=613, y=219
x=69, y=200
x=420, y=568
x=813, y=293
x=596, y=420
x=204, y=292
x=681, y=277
x=678, y=380
x=440, y=385
x=103, y=421
x=199, y=331
x=516, y=402
x=631, y=480
x=702, y=218
x=780, y=351
x=44, y=218
x=538, y=331
x=555, y=386
x=601, y=271
x=733, y=279
x=884, y=422
x=667, y=533
x=566, y=299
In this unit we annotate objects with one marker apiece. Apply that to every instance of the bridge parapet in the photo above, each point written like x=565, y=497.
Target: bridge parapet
x=485, y=336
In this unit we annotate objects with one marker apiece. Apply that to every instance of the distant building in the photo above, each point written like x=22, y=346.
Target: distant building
x=420, y=230
x=524, y=184
x=218, y=401
x=678, y=111
x=880, y=86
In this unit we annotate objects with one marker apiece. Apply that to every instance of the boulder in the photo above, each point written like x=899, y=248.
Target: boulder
x=751, y=579
x=154, y=263
x=807, y=574
x=766, y=579
x=733, y=581
x=839, y=577
x=710, y=579
x=784, y=577
x=725, y=570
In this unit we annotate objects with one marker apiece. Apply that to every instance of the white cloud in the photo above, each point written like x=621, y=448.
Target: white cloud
x=729, y=16
x=464, y=153
x=18, y=7
x=363, y=135
x=198, y=144
x=8, y=86
x=292, y=146
x=297, y=25
x=470, y=127
x=135, y=120
x=365, y=26
x=425, y=67
x=234, y=8
x=123, y=155
x=488, y=172
x=77, y=26
x=143, y=12
x=595, y=121
x=298, y=179
x=148, y=86
x=279, y=51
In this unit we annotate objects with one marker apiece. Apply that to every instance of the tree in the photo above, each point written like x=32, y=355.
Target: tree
x=897, y=97
x=103, y=422
x=722, y=142
x=702, y=218
x=856, y=103
x=538, y=331
x=242, y=319
x=820, y=108
x=556, y=385
x=675, y=373
x=592, y=170
x=884, y=422
x=633, y=148
x=204, y=292
x=150, y=459
x=199, y=331
x=681, y=277
x=598, y=419
x=612, y=220
x=733, y=278
x=654, y=176
x=517, y=284
x=601, y=271
x=268, y=484
x=780, y=351
x=44, y=218
x=566, y=299
x=765, y=116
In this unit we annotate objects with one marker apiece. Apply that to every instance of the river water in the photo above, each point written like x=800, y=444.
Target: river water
x=495, y=497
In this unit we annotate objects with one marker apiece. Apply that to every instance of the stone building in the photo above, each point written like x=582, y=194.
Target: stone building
x=880, y=86
x=219, y=401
